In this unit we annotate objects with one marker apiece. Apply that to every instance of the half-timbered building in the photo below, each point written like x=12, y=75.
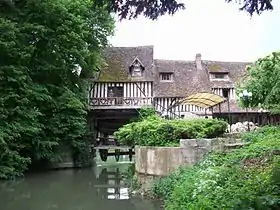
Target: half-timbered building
x=132, y=78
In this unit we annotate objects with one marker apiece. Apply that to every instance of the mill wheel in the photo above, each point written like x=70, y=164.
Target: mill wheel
x=117, y=155
x=103, y=154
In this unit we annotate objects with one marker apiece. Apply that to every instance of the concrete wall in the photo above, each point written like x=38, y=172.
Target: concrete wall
x=160, y=161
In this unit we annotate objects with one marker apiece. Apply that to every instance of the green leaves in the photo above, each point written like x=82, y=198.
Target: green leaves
x=43, y=104
x=155, y=131
x=246, y=178
x=264, y=83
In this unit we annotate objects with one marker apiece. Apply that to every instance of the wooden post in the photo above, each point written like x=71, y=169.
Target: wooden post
x=130, y=155
x=229, y=120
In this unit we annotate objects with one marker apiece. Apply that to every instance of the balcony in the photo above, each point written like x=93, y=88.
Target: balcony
x=120, y=102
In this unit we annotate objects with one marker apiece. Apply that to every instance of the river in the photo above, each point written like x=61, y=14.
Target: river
x=96, y=188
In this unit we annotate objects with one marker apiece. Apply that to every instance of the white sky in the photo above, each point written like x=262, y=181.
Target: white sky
x=217, y=30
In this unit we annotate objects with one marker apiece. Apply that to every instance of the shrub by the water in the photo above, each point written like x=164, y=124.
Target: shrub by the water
x=247, y=178
x=156, y=131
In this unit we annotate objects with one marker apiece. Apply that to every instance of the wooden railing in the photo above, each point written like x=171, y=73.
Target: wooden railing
x=120, y=101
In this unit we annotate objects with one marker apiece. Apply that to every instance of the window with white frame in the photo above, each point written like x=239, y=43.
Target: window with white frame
x=219, y=76
x=136, y=68
x=166, y=77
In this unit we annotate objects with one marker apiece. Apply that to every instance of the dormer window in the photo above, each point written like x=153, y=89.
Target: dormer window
x=136, y=68
x=219, y=76
x=166, y=77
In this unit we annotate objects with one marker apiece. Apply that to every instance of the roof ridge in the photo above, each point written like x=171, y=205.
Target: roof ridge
x=132, y=47
x=170, y=60
x=236, y=62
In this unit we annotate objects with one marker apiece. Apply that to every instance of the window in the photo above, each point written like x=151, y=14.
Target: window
x=115, y=94
x=136, y=68
x=115, y=91
x=136, y=71
x=225, y=92
x=166, y=76
x=218, y=76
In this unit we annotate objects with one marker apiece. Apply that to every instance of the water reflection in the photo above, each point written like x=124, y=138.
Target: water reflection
x=99, y=188
x=111, y=182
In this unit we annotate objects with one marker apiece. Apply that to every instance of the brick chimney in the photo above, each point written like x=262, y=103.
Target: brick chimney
x=198, y=61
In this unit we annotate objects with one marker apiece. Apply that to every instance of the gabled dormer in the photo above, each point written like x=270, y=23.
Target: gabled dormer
x=136, y=68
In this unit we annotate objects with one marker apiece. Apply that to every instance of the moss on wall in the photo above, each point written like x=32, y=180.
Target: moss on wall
x=113, y=71
x=214, y=67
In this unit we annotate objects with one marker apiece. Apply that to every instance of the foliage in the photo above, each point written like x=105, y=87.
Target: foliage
x=263, y=82
x=153, y=9
x=147, y=111
x=155, y=131
x=43, y=104
x=260, y=133
x=255, y=6
x=164, y=186
x=247, y=178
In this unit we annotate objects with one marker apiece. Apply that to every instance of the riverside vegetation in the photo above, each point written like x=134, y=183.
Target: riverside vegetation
x=43, y=104
x=247, y=178
x=152, y=130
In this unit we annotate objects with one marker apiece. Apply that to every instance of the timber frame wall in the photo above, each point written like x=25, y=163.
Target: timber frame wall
x=130, y=94
x=134, y=95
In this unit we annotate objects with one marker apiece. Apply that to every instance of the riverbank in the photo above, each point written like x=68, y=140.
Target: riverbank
x=245, y=178
x=140, y=185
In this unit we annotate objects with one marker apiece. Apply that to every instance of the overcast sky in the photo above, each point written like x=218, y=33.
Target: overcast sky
x=217, y=30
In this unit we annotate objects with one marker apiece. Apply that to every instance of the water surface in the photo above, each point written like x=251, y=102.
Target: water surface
x=98, y=188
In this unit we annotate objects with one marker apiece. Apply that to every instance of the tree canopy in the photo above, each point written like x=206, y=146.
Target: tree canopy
x=153, y=9
x=264, y=82
x=43, y=106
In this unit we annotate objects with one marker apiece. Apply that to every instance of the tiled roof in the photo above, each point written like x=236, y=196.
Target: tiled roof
x=118, y=60
x=187, y=79
x=236, y=71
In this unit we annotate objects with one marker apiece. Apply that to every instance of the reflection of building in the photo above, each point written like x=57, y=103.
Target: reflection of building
x=132, y=78
x=110, y=183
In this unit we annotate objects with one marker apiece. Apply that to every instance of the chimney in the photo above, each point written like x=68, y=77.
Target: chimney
x=198, y=61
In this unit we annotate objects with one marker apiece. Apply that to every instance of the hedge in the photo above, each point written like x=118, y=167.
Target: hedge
x=156, y=131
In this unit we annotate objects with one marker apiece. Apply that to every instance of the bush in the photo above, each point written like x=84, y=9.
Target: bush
x=163, y=187
x=147, y=111
x=260, y=133
x=247, y=178
x=155, y=131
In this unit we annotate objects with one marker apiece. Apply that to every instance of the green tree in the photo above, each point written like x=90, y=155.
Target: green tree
x=264, y=82
x=153, y=8
x=49, y=49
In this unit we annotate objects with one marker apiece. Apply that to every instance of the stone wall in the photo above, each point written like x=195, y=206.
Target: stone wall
x=160, y=161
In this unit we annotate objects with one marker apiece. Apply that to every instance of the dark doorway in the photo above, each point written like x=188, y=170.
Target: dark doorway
x=225, y=92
